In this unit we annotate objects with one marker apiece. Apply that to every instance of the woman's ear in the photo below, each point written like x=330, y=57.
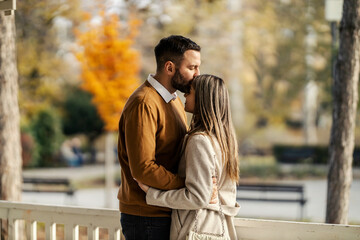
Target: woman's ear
x=170, y=67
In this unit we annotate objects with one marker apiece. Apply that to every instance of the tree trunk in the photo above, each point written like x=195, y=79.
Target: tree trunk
x=345, y=92
x=10, y=148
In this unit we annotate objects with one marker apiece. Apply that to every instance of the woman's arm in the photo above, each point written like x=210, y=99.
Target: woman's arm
x=200, y=168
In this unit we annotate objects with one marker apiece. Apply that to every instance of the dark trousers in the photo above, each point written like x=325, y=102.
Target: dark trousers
x=145, y=228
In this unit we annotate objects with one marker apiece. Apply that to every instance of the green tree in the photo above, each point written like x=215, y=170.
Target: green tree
x=80, y=115
x=46, y=129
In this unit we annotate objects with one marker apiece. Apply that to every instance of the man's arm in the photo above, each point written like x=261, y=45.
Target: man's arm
x=140, y=139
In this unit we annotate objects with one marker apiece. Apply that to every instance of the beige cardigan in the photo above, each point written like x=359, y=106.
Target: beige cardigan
x=200, y=161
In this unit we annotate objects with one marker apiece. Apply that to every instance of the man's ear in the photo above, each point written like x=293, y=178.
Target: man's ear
x=169, y=67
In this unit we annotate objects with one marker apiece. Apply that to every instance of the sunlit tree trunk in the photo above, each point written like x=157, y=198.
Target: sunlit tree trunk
x=345, y=92
x=10, y=150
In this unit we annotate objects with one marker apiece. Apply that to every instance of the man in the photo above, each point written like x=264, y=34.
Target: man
x=151, y=129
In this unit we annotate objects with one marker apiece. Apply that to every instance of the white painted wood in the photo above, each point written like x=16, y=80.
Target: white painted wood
x=94, y=233
x=111, y=233
x=76, y=232
x=68, y=231
x=251, y=229
x=114, y=234
x=47, y=230
x=52, y=231
x=16, y=229
x=33, y=230
x=73, y=217
x=117, y=234
x=11, y=229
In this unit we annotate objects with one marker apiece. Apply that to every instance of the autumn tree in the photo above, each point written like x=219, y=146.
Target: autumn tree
x=110, y=65
x=109, y=70
x=345, y=99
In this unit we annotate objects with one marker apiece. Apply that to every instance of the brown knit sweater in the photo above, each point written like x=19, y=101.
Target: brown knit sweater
x=150, y=137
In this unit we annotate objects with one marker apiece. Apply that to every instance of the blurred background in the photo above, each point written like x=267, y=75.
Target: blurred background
x=78, y=61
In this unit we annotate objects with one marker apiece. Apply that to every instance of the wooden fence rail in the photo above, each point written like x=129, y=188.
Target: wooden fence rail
x=94, y=219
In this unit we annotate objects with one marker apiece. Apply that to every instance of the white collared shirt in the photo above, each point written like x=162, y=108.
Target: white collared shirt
x=164, y=93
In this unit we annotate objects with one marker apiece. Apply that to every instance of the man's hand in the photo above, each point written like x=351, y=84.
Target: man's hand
x=143, y=187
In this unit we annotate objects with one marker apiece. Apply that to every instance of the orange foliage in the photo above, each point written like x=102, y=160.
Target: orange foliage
x=110, y=65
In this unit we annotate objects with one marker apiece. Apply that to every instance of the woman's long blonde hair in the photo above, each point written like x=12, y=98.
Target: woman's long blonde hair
x=212, y=115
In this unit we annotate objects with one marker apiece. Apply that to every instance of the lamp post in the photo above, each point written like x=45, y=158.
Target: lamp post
x=311, y=88
x=8, y=6
x=333, y=13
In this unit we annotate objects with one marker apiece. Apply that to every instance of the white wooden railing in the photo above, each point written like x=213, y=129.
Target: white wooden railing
x=70, y=217
x=93, y=219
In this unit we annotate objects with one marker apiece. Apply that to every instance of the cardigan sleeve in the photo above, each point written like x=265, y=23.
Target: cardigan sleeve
x=140, y=138
x=200, y=168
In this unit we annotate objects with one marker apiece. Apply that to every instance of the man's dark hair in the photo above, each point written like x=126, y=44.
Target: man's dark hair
x=172, y=48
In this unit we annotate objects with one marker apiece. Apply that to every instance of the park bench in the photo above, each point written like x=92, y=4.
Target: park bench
x=48, y=185
x=296, y=194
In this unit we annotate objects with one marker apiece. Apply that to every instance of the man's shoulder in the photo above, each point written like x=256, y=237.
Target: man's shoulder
x=144, y=94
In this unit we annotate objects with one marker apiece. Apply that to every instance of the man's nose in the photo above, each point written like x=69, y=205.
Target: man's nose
x=197, y=72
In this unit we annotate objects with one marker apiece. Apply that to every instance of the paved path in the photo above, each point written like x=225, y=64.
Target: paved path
x=71, y=173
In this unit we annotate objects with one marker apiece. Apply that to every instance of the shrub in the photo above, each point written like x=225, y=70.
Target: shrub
x=46, y=130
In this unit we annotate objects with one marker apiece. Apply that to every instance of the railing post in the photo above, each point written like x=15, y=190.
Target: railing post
x=31, y=231
x=11, y=229
x=76, y=232
x=68, y=231
x=95, y=233
x=16, y=230
x=52, y=231
x=117, y=234
x=34, y=230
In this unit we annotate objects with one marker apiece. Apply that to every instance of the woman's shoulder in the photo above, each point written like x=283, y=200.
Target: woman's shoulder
x=199, y=139
x=198, y=136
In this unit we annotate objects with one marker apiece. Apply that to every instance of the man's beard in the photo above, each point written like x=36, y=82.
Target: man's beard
x=178, y=82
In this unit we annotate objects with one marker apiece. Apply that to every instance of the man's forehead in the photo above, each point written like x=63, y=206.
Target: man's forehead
x=192, y=56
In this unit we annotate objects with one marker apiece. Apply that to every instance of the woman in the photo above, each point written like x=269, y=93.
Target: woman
x=209, y=162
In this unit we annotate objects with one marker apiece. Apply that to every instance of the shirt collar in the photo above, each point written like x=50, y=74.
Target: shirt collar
x=164, y=93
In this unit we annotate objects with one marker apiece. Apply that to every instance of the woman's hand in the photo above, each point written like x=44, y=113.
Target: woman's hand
x=143, y=187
